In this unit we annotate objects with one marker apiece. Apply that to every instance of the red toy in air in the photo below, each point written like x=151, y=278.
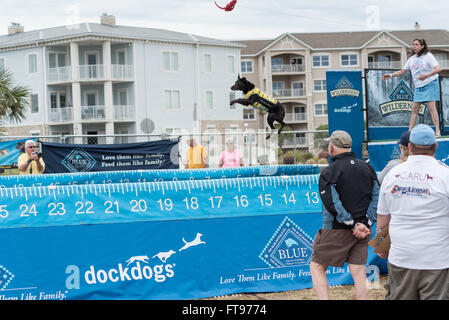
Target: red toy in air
x=229, y=7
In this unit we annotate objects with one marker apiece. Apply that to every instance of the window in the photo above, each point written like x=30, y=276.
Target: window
x=299, y=113
x=172, y=99
x=123, y=97
x=207, y=62
x=320, y=61
x=298, y=89
x=58, y=100
x=349, y=60
x=320, y=109
x=56, y=60
x=384, y=61
x=209, y=99
x=34, y=99
x=319, y=85
x=121, y=57
x=32, y=63
x=249, y=114
x=170, y=61
x=231, y=64
x=247, y=66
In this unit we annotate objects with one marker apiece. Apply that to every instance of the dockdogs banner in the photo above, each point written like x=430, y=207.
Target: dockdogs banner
x=389, y=105
x=345, y=104
x=60, y=158
x=183, y=239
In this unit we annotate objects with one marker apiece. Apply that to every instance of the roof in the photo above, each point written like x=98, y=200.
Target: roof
x=97, y=29
x=342, y=40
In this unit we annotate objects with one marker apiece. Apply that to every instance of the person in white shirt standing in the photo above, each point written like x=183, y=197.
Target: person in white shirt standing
x=424, y=68
x=414, y=202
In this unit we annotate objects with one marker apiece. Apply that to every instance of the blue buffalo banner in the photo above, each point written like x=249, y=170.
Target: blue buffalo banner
x=382, y=152
x=60, y=158
x=10, y=151
x=389, y=105
x=183, y=239
x=345, y=105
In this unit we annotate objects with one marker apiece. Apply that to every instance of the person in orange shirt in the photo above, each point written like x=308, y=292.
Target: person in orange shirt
x=196, y=155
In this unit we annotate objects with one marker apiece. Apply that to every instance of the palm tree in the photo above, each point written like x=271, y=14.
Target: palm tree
x=13, y=98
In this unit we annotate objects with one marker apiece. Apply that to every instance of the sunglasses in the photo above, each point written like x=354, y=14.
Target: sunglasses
x=31, y=147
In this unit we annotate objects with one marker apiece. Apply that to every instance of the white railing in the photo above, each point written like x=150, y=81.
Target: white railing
x=92, y=113
x=287, y=68
x=61, y=114
x=295, y=117
x=385, y=65
x=126, y=112
x=287, y=93
x=59, y=74
x=122, y=71
x=91, y=72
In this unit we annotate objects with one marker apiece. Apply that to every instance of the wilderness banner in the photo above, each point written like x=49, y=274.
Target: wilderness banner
x=389, y=105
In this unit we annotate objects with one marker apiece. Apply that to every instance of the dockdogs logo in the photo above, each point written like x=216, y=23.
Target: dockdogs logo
x=344, y=88
x=401, y=99
x=289, y=246
x=135, y=268
x=79, y=161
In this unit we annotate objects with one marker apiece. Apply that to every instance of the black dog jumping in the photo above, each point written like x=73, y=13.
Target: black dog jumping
x=257, y=99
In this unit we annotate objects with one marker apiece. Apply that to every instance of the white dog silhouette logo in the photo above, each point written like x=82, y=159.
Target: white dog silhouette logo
x=137, y=258
x=192, y=243
x=163, y=256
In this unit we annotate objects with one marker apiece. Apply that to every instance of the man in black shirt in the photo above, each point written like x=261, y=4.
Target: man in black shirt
x=349, y=191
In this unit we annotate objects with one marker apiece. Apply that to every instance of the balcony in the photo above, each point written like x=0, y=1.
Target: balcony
x=444, y=64
x=61, y=114
x=127, y=112
x=385, y=65
x=89, y=113
x=288, y=68
x=295, y=117
x=122, y=72
x=91, y=72
x=289, y=93
x=61, y=74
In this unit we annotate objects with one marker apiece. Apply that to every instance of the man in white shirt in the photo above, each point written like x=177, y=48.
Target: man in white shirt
x=414, y=202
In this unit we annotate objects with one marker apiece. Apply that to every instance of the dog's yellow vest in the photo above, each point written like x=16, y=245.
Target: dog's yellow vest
x=264, y=104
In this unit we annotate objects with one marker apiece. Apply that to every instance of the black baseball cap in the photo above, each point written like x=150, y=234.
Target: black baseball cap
x=404, y=139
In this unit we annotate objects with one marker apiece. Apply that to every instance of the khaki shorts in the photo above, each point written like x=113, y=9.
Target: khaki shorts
x=410, y=284
x=337, y=246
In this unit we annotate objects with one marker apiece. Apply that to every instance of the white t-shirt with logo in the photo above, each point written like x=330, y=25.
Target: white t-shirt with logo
x=421, y=65
x=416, y=195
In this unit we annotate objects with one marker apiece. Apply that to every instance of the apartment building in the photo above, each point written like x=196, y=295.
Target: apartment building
x=292, y=68
x=102, y=78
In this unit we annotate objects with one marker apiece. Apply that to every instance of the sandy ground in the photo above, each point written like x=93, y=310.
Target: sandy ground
x=346, y=292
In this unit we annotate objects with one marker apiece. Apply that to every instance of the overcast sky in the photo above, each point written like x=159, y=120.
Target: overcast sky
x=251, y=19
